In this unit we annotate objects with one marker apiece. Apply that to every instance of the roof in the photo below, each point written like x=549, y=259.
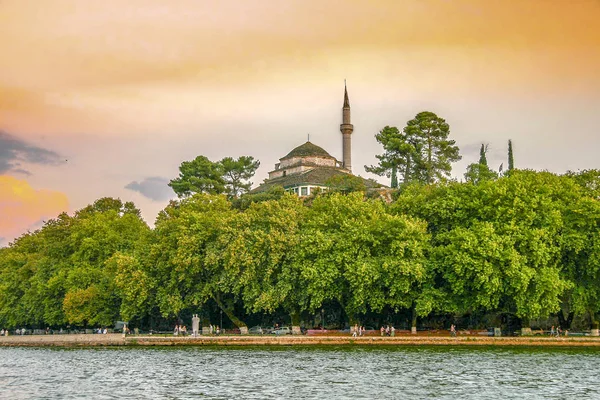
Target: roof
x=306, y=150
x=317, y=176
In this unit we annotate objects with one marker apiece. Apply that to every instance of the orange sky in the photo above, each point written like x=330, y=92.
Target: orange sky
x=140, y=79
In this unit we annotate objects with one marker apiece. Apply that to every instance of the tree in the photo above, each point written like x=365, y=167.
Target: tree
x=257, y=257
x=346, y=183
x=191, y=235
x=480, y=172
x=398, y=157
x=62, y=270
x=359, y=256
x=237, y=173
x=435, y=151
x=198, y=176
x=394, y=178
x=511, y=160
x=497, y=245
x=225, y=176
x=421, y=153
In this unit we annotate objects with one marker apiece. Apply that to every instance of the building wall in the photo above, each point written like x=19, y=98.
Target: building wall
x=320, y=161
x=305, y=190
x=289, y=171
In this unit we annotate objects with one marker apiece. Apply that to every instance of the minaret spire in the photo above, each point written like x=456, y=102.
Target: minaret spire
x=346, y=128
x=346, y=101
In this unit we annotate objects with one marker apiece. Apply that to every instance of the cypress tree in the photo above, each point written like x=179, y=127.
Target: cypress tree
x=482, y=157
x=511, y=161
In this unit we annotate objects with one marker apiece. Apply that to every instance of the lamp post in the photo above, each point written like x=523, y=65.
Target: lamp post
x=221, y=321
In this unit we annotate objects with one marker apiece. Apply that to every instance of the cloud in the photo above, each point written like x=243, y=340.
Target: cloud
x=13, y=151
x=155, y=188
x=23, y=207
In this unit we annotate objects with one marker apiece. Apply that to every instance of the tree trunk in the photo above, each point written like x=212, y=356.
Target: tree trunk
x=594, y=325
x=413, y=325
x=228, y=310
x=295, y=315
x=565, y=323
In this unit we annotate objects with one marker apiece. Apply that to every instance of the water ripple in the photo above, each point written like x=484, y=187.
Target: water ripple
x=299, y=372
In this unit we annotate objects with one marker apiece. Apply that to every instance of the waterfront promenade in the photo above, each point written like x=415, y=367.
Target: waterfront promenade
x=97, y=340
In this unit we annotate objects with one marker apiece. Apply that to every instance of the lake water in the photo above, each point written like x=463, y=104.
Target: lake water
x=299, y=372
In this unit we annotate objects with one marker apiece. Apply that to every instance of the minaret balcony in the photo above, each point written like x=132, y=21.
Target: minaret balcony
x=347, y=127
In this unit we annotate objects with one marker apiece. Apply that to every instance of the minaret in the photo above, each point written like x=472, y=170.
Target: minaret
x=346, y=127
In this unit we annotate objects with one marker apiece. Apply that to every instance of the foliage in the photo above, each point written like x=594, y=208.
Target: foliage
x=422, y=152
x=228, y=176
x=526, y=243
x=59, y=274
x=346, y=183
x=511, y=159
x=480, y=172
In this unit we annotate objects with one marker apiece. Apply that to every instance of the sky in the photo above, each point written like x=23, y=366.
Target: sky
x=107, y=98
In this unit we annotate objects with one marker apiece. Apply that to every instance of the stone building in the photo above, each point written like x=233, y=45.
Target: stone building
x=309, y=167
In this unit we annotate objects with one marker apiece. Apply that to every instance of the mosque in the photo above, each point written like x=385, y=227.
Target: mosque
x=309, y=167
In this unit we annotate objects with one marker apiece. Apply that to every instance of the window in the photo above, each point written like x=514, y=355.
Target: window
x=304, y=191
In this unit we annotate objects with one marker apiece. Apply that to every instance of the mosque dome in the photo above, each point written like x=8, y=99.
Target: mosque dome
x=307, y=150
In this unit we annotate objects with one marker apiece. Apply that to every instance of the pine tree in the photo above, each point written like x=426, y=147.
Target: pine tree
x=422, y=152
x=511, y=161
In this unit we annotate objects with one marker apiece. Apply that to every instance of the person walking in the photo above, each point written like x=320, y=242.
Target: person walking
x=452, y=330
x=382, y=330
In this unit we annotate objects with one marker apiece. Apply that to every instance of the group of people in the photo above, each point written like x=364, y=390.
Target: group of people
x=180, y=330
x=557, y=332
x=387, y=330
x=4, y=332
x=358, y=330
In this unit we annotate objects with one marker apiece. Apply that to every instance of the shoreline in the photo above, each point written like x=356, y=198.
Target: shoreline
x=98, y=340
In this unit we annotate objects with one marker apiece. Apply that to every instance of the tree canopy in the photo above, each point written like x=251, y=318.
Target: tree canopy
x=229, y=176
x=524, y=244
x=422, y=152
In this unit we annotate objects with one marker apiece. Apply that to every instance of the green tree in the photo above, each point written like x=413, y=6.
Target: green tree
x=257, y=257
x=237, y=174
x=422, y=152
x=511, y=160
x=436, y=152
x=198, y=176
x=346, y=183
x=353, y=252
x=581, y=249
x=188, y=256
x=398, y=158
x=496, y=245
x=59, y=274
x=479, y=172
x=228, y=176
